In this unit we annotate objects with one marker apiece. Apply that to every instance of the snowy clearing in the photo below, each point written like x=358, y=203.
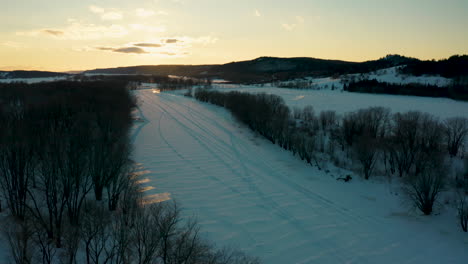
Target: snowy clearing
x=343, y=102
x=249, y=193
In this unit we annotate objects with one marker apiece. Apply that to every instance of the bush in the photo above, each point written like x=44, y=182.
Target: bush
x=463, y=212
x=423, y=189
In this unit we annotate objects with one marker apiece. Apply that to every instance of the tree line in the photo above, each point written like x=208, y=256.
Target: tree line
x=412, y=146
x=458, y=90
x=68, y=185
x=453, y=67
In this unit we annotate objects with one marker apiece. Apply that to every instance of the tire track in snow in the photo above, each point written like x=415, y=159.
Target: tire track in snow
x=246, y=178
x=275, y=207
x=280, y=176
x=233, y=189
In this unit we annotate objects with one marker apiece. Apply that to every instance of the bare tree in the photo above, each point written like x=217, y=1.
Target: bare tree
x=456, y=130
x=109, y=154
x=403, y=140
x=424, y=188
x=366, y=150
x=96, y=234
x=328, y=119
x=46, y=249
x=147, y=234
x=17, y=163
x=71, y=243
x=119, y=172
x=463, y=212
x=428, y=143
x=19, y=236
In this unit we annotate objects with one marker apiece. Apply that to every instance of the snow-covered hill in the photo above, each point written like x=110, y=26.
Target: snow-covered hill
x=391, y=75
x=250, y=193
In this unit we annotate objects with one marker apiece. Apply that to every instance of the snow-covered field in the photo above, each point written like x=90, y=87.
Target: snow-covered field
x=343, y=102
x=249, y=193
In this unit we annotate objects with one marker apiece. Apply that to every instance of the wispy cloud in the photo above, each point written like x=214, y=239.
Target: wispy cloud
x=257, y=13
x=77, y=30
x=14, y=45
x=130, y=50
x=299, y=20
x=171, y=41
x=96, y=9
x=141, y=12
x=106, y=14
x=169, y=46
x=148, y=45
x=144, y=13
x=53, y=32
x=148, y=28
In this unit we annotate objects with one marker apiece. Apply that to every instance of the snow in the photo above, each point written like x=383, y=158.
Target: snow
x=343, y=102
x=249, y=193
x=391, y=75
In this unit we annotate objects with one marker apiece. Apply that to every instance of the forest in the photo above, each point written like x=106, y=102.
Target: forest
x=68, y=188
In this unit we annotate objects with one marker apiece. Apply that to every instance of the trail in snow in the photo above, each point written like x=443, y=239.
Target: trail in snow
x=249, y=193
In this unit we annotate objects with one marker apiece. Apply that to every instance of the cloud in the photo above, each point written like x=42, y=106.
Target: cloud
x=172, y=41
x=292, y=26
x=149, y=29
x=178, y=46
x=105, y=48
x=167, y=53
x=96, y=9
x=53, y=32
x=289, y=27
x=257, y=13
x=186, y=41
x=134, y=50
x=106, y=14
x=80, y=31
x=204, y=40
x=14, y=45
x=141, y=12
x=112, y=15
x=148, y=45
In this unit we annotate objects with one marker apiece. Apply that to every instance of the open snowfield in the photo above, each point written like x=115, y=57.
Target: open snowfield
x=249, y=193
x=343, y=102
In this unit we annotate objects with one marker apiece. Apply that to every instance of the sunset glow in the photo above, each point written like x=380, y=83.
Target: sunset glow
x=78, y=35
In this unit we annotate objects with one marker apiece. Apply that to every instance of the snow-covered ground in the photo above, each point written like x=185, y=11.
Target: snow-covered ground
x=391, y=75
x=343, y=102
x=250, y=193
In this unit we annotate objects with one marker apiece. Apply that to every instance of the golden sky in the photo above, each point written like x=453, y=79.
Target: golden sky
x=63, y=35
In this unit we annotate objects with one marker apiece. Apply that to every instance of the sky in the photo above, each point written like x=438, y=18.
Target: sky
x=67, y=35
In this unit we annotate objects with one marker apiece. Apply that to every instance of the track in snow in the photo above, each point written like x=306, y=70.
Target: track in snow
x=249, y=193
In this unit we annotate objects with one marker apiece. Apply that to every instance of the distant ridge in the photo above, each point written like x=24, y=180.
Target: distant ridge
x=29, y=74
x=264, y=69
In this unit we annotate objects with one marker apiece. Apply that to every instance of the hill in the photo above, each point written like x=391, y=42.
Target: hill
x=264, y=69
x=29, y=74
